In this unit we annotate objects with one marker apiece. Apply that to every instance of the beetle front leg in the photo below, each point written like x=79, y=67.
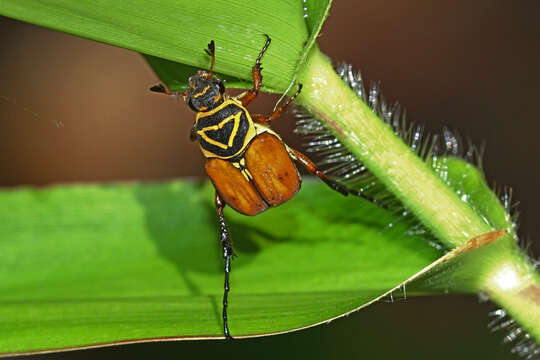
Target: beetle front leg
x=257, y=77
x=226, y=245
x=312, y=168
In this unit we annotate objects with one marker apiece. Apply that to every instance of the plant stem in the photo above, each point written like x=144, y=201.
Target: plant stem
x=386, y=155
x=417, y=186
x=513, y=283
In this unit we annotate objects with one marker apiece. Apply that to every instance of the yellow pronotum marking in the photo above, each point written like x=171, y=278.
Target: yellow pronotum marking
x=235, y=128
x=235, y=118
x=202, y=92
x=251, y=132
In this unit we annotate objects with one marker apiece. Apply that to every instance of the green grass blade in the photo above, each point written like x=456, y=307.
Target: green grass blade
x=87, y=265
x=180, y=30
x=176, y=75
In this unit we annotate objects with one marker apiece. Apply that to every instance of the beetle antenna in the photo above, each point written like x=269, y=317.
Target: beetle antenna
x=212, y=52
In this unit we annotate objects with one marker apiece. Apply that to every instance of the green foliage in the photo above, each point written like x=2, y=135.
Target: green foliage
x=176, y=74
x=92, y=264
x=86, y=265
x=180, y=30
x=469, y=183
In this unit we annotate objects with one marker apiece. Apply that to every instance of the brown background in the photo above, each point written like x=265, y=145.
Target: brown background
x=473, y=66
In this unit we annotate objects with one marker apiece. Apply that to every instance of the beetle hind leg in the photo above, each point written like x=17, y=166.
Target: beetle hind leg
x=226, y=245
x=312, y=168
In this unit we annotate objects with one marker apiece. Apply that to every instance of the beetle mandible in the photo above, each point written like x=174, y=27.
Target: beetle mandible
x=250, y=166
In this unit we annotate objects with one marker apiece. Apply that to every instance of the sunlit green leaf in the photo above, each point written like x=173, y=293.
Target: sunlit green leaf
x=84, y=265
x=179, y=30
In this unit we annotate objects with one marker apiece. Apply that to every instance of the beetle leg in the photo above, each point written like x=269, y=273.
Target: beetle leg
x=259, y=119
x=266, y=120
x=312, y=168
x=257, y=77
x=282, y=108
x=160, y=88
x=211, y=51
x=226, y=245
x=193, y=133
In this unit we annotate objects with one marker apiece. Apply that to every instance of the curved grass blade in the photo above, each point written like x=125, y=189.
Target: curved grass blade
x=90, y=265
x=180, y=30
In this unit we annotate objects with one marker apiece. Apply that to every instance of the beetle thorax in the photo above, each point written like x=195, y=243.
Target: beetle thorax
x=225, y=131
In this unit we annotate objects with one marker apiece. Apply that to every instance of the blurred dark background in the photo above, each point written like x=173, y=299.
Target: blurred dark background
x=473, y=66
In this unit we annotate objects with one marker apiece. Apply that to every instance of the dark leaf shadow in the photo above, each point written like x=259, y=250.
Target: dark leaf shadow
x=185, y=231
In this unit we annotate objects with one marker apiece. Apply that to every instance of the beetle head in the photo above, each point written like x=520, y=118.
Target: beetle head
x=205, y=91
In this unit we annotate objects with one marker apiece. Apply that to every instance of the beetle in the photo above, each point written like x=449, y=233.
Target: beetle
x=252, y=169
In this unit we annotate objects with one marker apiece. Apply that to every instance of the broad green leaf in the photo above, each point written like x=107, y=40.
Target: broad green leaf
x=179, y=30
x=176, y=75
x=87, y=265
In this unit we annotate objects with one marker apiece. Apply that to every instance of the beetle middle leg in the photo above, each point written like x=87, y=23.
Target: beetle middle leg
x=226, y=245
x=257, y=77
x=266, y=120
x=193, y=133
x=312, y=168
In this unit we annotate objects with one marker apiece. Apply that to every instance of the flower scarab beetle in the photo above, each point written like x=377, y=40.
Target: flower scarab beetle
x=250, y=166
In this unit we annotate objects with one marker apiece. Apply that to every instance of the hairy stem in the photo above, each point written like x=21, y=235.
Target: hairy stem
x=420, y=189
x=386, y=155
x=512, y=282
